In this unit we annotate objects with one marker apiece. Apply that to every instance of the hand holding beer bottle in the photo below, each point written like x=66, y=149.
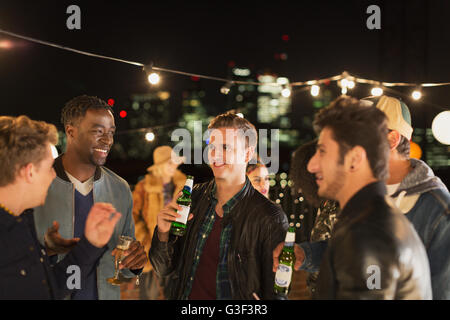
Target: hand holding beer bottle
x=285, y=268
x=174, y=216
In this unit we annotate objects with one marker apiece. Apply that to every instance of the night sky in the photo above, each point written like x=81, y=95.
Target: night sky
x=325, y=38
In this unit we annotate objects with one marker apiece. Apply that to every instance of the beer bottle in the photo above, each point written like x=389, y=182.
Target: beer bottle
x=285, y=269
x=178, y=227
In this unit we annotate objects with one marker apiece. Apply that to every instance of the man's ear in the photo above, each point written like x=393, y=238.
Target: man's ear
x=27, y=172
x=355, y=158
x=70, y=131
x=394, y=139
x=249, y=154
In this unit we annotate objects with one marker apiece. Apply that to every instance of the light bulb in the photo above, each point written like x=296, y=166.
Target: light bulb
x=149, y=136
x=153, y=78
x=416, y=94
x=315, y=89
x=377, y=91
x=286, y=92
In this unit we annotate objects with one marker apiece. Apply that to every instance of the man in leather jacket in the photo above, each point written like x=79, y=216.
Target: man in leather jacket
x=374, y=251
x=226, y=252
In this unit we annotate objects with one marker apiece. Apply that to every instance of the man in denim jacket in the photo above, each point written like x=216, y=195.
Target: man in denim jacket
x=416, y=191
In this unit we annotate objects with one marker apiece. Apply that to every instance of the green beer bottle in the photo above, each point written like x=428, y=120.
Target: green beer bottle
x=178, y=227
x=285, y=269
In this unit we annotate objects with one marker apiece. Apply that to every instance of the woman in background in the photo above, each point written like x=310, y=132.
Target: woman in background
x=326, y=209
x=259, y=177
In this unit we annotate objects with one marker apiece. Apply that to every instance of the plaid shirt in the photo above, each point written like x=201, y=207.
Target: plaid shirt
x=223, y=288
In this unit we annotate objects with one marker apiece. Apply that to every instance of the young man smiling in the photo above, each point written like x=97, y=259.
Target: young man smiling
x=415, y=190
x=81, y=181
x=371, y=238
x=226, y=252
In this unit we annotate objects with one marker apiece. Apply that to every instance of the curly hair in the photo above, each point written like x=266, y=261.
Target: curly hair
x=301, y=177
x=75, y=109
x=353, y=124
x=22, y=141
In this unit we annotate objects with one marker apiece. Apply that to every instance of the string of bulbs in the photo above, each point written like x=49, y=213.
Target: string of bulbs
x=345, y=80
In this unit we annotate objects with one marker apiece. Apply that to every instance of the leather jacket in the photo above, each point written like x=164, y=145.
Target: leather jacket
x=374, y=253
x=258, y=226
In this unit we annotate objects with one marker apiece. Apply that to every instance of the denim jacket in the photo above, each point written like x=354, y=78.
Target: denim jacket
x=60, y=206
x=425, y=201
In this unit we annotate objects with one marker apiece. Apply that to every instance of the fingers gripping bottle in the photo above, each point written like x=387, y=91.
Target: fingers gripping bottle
x=285, y=269
x=178, y=227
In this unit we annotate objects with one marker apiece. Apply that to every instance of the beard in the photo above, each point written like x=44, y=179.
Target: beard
x=97, y=161
x=335, y=185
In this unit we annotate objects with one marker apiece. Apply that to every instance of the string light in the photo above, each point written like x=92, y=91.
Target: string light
x=315, y=90
x=376, y=91
x=416, y=94
x=351, y=84
x=286, y=92
x=153, y=78
x=349, y=81
x=226, y=87
x=149, y=136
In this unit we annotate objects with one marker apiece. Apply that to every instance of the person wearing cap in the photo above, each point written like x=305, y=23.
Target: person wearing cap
x=374, y=251
x=81, y=181
x=415, y=190
x=418, y=193
x=159, y=186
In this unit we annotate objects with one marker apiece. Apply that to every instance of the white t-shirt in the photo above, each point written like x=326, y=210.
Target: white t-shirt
x=82, y=187
x=404, y=203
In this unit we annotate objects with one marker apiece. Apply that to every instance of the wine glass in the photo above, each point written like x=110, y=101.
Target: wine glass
x=122, y=245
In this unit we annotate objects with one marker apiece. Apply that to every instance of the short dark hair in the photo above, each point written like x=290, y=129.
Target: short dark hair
x=353, y=125
x=76, y=108
x=22, y=141
x=231, y=120
x=301, y=177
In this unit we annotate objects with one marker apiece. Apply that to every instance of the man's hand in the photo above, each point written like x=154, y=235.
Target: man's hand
x=55, y=244
x=299, y=256
x=100, y=224
x=136, y=258
x=166, y=216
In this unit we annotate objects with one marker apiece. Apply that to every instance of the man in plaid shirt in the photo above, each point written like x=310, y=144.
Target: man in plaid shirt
x=226, y=252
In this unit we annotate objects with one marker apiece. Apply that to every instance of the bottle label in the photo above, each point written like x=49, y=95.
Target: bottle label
x=283, y=276
x=290, y=237
x=189, y=183
x=184, y=212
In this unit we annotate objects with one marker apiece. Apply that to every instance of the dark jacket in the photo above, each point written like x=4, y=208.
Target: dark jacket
x=25, y=270
x=258, y=225
x=374, y=253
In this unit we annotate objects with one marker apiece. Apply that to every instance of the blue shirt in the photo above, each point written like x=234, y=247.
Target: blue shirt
x=83, y=205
